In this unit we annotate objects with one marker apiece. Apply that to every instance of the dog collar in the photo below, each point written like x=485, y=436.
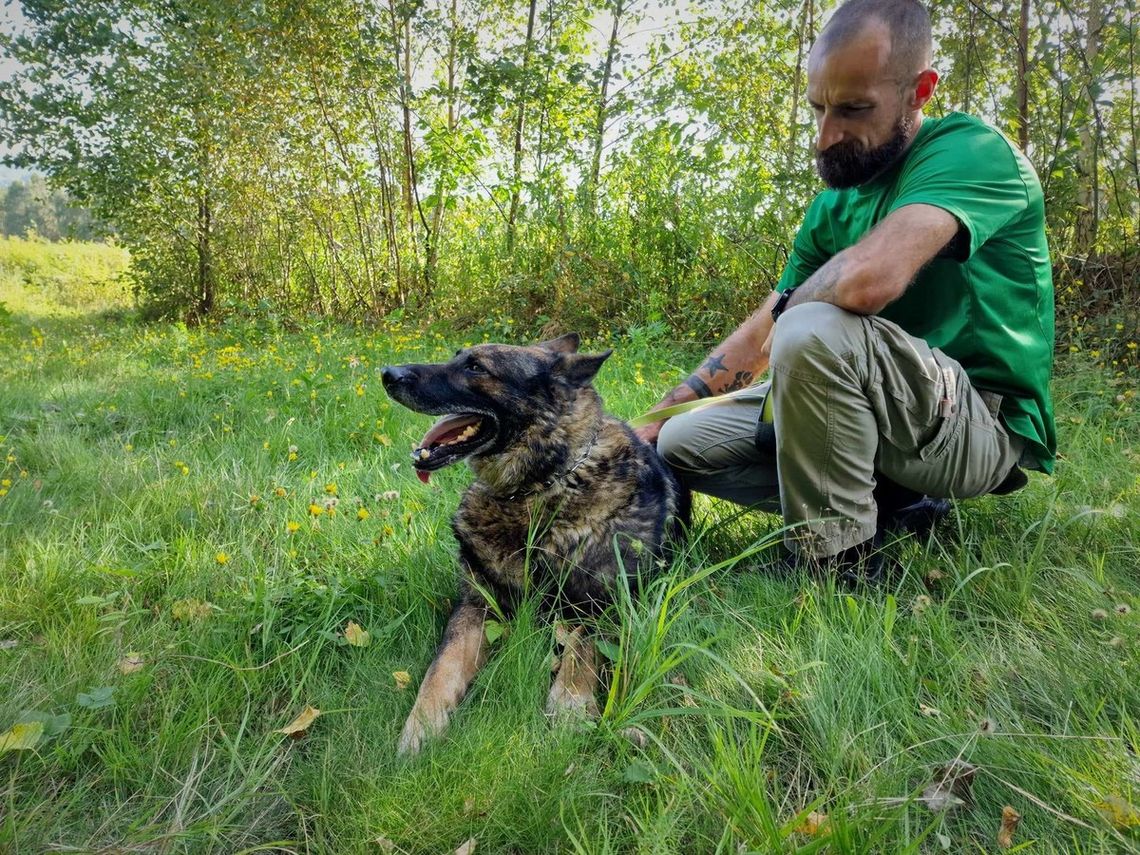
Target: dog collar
x=562, y=476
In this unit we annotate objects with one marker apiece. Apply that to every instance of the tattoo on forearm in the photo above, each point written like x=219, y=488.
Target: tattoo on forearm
x=699, y=386
x=823, y=285
x=742, y=379
x=714, y=364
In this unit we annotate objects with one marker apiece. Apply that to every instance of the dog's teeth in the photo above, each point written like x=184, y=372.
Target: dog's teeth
x=424, y=454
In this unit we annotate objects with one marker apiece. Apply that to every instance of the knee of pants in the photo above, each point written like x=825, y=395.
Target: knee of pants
x=813, y=330
x=672, y=445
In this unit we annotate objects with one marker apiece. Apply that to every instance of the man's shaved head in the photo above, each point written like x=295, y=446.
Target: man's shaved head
x=907, y=21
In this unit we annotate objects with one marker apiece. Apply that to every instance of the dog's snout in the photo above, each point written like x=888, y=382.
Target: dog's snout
x=395, y=375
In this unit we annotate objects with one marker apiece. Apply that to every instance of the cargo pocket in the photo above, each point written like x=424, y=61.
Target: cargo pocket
x=947, y=411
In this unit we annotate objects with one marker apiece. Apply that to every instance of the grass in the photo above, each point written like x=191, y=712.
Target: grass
x=164, y=502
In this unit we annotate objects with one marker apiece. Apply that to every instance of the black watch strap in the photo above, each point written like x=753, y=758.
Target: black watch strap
x=782, y=304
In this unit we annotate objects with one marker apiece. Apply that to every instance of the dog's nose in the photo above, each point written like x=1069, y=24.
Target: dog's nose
x=394, y=375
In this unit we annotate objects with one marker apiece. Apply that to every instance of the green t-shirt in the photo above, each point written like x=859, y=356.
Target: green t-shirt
x=987, y=301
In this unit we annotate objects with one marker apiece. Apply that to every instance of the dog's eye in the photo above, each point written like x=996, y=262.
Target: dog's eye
x=474, y=367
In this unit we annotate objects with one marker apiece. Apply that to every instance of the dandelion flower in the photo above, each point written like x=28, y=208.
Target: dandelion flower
x=362, y=514
x=330, y=488
x=292, y=527
x=315, y=510
x=222, y=558
x=280, y=492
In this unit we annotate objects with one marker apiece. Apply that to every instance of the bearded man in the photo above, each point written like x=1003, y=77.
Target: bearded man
x=910, y=338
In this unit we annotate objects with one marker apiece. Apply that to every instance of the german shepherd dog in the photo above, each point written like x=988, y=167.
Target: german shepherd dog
x=565, y=499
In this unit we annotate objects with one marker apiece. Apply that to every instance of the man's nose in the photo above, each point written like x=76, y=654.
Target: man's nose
x=829, y=134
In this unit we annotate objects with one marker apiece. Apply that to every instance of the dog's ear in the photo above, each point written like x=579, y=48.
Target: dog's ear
x=563, y=344
x=579, y=369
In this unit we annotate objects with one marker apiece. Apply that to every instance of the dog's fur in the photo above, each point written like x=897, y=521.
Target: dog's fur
x=566, y=498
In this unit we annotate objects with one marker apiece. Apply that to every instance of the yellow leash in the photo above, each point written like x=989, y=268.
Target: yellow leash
x=699, y=404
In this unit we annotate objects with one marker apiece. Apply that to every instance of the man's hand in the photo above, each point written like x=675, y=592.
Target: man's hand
x=648, y=433
x=738, y=362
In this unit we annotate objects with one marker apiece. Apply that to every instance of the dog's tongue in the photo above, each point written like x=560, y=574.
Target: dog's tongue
x=443, y=430
x=447, y=428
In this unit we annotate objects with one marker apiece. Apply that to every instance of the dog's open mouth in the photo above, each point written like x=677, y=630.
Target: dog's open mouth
x=450, y=439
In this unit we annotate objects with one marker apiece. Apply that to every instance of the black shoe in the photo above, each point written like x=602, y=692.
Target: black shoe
x=862, y=564
x=918, y=518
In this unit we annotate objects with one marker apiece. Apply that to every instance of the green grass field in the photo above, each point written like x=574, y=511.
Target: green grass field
x=177, y=581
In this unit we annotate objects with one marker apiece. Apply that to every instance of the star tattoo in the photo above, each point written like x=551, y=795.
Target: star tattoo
x=714, y=364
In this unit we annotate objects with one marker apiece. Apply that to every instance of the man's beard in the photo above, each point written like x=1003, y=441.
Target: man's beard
x=849, y=164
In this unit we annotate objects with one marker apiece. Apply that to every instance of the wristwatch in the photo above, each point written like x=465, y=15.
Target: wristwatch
x=782, y=304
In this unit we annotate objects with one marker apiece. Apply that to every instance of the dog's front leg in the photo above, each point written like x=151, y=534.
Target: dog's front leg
x=577, y=679
x=461, y=654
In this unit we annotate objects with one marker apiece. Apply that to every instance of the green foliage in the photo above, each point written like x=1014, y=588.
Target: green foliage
x=351, y=160
x=73, y=275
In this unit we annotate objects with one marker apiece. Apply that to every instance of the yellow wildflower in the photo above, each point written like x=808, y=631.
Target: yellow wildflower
x=222, y=558
x=362, y=514
x=292, y=527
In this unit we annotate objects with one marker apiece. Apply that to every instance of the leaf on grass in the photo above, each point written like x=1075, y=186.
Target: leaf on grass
x=192, y=609
x=493, y=630
x=608, y=649
x=1120, y=814
x=950, y=787
x=357, y=636
x=1009, y=821
x=639, y=772
x=131, y=662
x=403, y=679
x=301, y=723
x=468, y=847
x=97, y=699
x=929, y=712
x=22, y=736
x=814, y=824
x=384, y=844
x=8, y=643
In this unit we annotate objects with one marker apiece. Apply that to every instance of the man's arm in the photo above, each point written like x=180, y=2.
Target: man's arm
x=864, y=278
x=872, y=274
x=732, y=365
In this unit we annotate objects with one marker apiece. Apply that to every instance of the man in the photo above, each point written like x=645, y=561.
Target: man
x=910, y=337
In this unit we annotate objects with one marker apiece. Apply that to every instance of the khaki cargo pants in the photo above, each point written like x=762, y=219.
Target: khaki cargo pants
x=853, y=396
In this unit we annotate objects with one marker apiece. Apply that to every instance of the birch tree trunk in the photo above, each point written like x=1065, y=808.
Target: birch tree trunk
x=516, y=171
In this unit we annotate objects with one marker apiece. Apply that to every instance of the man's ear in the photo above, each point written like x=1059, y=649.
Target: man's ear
x=563, y=344
x=923, y=89
x=579, y=369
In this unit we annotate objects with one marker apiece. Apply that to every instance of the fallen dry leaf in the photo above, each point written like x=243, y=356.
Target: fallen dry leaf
x=403, y=679
x=1120, y=814
x=384, y=844
x=130, y=663
x=467, y=848
x=21, y=737
x=8, y=643
x=950, y=787
x=355, y=635
x=636, y=736
x=1009, y=821
x=301, y=723
x=814, y=824
x=930, y=712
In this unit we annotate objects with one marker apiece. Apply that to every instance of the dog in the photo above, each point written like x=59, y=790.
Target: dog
x=565, y=500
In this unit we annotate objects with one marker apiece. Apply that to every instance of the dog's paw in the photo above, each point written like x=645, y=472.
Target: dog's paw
x=565, y=701
x=418, y=729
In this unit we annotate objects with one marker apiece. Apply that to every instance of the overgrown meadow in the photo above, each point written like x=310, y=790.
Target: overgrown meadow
x=192, y=520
